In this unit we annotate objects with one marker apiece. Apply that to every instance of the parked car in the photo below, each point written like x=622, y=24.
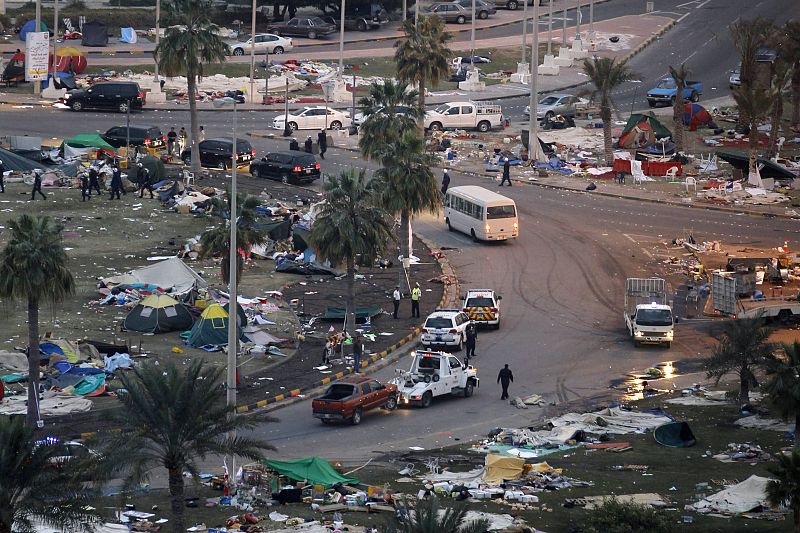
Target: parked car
x=666, y=91
x=351, y=397
x=265, y=43
x=736, y=77
x=119, y=95
x=313, y=118
x=361, y=19
x=359, y=117
x=148, y=136
x=481, y=7
x=554, y=104
x=288, y=167
x=454, y=12
x=216, y=153
x=445, y=328
x=311, y=27
x=513, y=5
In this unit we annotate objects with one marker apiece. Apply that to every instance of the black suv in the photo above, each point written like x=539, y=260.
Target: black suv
x=291, y=166
x=148, y=136
x=217, y=153
x=107, y=95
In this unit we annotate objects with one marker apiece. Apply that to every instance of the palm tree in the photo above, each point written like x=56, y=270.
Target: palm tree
x=680, y=75
x=748, y=36
x=170, y=418
x=791, y=53
x=32, y=489
x=780, y=77
x=383, y=125
x=428, y=517
x=741, y=347
x=754, y=103
x=422, y=57
x=190, y=42
x=351, y=223
x=606, y=74
x=409, y=184
x=216, y=241
x=33, y=268
x=785, y=488
x=783, y=385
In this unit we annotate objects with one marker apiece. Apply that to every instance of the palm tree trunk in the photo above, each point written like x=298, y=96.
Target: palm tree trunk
x=351, y=295
x=608, y=147
x=402, y=236
x=177, y=502
x=33, y=361
x=753, y=143
x=777, y=113
x=677, y=118
x=191, y=82
x=796, y=96
x=421, y=99
x=744, y=389
x=796, y=445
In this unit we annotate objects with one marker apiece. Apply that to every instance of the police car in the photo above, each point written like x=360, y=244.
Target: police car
x=445, y=328
x=482, y=306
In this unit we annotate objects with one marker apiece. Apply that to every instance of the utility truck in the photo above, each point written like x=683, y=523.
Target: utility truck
x=434, y=374
x=464, y=116
x=648, y=316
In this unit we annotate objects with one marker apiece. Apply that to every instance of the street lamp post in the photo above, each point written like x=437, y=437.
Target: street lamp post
x=564, y=27
x=578, y=20
x=533, y=135
x=550, y=29
x=591, y=19
x=158, y=37
x=341, y=40
x=525, y=29
x=37, y=84
x=266, y=77
x=252, y=53
x=286, y=129
x=55, y=41
x=472, y=38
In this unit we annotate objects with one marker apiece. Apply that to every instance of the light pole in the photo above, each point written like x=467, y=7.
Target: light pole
x=525, y=29
x=233, y=314
x=266, y=77
x=37, y=84
x=286, y=129
x=578, y=21
x=55, y=42
x=341, y=40
x=550, y=29
x=472, y=38
x=591, y=19
x=564, y=27
x=252, y=54
x=533, y=135
x=158, y=38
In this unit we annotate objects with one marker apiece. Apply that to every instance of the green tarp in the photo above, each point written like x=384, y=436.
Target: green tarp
x=311, y=469
x=337, y=313
x=88, y=140
x=675, y=435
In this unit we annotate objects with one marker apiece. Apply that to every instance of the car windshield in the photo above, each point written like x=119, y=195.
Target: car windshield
x=243, y=146
x=481, y=301
x=550, y=100
x=666, y=83
x=501, y=211
x=654, y=317
x=438, y=322
x=305, y=160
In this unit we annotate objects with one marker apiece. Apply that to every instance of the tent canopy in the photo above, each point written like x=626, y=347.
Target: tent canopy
x=311, y=469
x=695, y=115
x=95, y=33
x=675, y=435
x=31, y=26
x=501, y=468
x=211, y=328
x=158, y=314
x=171, y=273
x=642, y=131
x=128, y=35
x=12, y=161
x=87, y=140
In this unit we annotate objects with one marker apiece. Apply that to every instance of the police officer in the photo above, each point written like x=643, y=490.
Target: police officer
x=504, y=378
x=506, y=172
x=308, y=145
x=2, y=177
x=322, y=141
x=472, y=339
x=445, y=182
x=294, y=145
x=143, y=177
x=94, y=182
x=416, y=294
x=37, y=184
x=86, y=193
x=396, y=300
x=116, y=183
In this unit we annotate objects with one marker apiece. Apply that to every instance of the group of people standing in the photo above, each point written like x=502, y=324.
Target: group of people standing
x=176, y=141
x=308, y=145
x=90, y=181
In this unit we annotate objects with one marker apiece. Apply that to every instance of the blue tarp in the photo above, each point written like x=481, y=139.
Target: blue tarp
x=127, y=35
x=31, y=26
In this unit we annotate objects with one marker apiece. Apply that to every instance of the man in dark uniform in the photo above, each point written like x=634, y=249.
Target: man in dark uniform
x=94, y=182
x=472, y=338
x=2, y=177
x=504, y=378
x=506, y=173
x=358, y=352
x=308, y=145
x=116, y=183
x=143, y=177
x=445, y=182
x=172, y=138
x=322, y=141
x=294, y=145
x=86, y=193
x=37, y=184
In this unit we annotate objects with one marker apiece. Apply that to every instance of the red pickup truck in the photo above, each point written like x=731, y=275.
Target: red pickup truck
x=352, y=396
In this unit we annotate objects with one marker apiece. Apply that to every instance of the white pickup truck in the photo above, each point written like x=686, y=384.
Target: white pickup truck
x=648, y=317
x=464, y=116
x=434, y=374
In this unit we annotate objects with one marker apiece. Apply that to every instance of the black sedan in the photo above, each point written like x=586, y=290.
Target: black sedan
x=311, y=27
x=216, y=153
x=149, y=136
x=288, y=167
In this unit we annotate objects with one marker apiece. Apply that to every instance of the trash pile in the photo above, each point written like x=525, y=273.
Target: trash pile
x=745, y=452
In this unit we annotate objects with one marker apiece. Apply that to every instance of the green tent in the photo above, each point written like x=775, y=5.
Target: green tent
x=675, y=435
x=158, y=314
x=641, y=131
x=88, y=140
x=211, y=328
x=337, y=313
x=313, y=470
x=156, y=167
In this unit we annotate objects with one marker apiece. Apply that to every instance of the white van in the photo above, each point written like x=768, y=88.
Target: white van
x=480, y=213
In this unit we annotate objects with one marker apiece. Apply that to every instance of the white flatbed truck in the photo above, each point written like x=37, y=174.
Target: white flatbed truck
x=434, y=374
x=648, y=316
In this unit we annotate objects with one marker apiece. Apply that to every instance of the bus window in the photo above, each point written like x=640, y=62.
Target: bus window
x=500, y=211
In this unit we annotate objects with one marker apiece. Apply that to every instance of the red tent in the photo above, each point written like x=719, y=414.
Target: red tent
x=695, y=115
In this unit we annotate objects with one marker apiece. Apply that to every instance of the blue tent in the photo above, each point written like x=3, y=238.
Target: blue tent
x=127, y=35
x=31, y=26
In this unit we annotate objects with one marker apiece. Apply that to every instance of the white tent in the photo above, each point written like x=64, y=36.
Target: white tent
x=171, y=273
x=741, y=498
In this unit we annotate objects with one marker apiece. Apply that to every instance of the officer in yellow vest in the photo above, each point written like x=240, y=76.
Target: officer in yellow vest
x=416, y=293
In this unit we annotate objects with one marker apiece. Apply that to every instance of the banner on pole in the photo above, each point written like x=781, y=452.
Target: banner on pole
x=37, y=53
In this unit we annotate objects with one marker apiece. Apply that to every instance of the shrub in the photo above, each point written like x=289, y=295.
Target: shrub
x=619, y=517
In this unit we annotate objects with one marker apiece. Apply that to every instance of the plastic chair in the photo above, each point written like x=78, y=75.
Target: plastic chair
x=188, y=177
x=637, y=172
x=691, y=182
x=671, y=174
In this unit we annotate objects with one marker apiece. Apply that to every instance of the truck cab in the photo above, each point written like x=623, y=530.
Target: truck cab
x=667, y=90
x=464, y=115
x=648, y=316
x=482, y=306
x=434, y=374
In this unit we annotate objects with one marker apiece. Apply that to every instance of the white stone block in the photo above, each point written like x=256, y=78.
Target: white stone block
x=564, y=58
x=51, y=93
x=156, y=97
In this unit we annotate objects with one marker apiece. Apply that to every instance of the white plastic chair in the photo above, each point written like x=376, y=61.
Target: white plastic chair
x=690, y=182
x=188, y=177
x=671, y=174
x=637, y=172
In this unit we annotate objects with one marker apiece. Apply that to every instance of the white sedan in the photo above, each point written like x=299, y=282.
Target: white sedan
x=265, y=42
x=313, y=118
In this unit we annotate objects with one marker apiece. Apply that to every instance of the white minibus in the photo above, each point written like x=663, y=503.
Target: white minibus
x=480, y=213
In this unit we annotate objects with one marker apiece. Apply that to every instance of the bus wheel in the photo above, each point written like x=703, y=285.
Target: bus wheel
x=472, y=234
x=449, y=227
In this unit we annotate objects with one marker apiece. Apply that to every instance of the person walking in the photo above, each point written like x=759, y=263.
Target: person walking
x=182, y=136
x=445, y=182
x=94, y=182
x=396, y=300
x=472, y=339
x=2, y=177
x=308, y=146
x=37, y=184
x=116, y=183
x=506, y=172
x=504, y=378
x=143, y=177
x=172, y=138
x=416, y=294
x=86, y=192
x=201, y=135
x=358, y=352
x=322, y=141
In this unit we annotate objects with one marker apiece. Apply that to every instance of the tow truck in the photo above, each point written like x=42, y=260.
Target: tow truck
x=434, y=374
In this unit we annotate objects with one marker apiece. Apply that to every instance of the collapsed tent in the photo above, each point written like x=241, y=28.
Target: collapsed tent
x=29, y=27
x=87, y=140
x=155, y=167
x=675, y=435
x=16, y=162
x=767, y=168
x=14, y=70
x=500, y=468
x=749, y=495
x=158, y=314
x=95, y=33
x=312, y=470
x=695, y=116
x=128, y=36
x=172, y=275
x=70, y=59
x=305, y=269
x=337, y=313
x=211, y=329
x=642, y=131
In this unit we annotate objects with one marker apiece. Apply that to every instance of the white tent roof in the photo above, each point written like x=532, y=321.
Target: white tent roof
x=170, y=273
x=741, y=498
